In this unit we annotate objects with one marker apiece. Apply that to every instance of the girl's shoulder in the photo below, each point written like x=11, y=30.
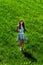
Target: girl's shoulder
x=18, y=26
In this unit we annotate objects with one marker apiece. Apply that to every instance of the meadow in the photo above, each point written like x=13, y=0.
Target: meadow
x=11, y=11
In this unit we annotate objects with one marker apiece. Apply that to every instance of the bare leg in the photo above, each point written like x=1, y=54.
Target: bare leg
x=22, y=43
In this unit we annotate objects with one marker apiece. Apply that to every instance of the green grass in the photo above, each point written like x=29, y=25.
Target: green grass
x=10, y=13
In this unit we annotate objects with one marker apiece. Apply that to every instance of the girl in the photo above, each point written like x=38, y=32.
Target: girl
x=21, y=31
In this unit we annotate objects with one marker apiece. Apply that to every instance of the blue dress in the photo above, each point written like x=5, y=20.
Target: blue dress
x=21, y=33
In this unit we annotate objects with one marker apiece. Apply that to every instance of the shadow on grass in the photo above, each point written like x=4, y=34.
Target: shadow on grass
x=29, y=56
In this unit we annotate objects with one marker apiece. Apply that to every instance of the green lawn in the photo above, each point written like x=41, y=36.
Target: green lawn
x=10, y=13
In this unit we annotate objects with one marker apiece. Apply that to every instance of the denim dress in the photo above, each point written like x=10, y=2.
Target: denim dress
x=21, y=33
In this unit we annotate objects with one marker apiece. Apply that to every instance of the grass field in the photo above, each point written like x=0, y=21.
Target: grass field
x=10, y=13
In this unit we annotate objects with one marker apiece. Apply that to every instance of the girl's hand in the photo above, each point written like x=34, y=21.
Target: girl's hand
x=20, y=30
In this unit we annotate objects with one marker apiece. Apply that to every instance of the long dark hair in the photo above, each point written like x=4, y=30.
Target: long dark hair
x=22, y=25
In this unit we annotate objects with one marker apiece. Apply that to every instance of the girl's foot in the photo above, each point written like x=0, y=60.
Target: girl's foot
x=21, y=49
